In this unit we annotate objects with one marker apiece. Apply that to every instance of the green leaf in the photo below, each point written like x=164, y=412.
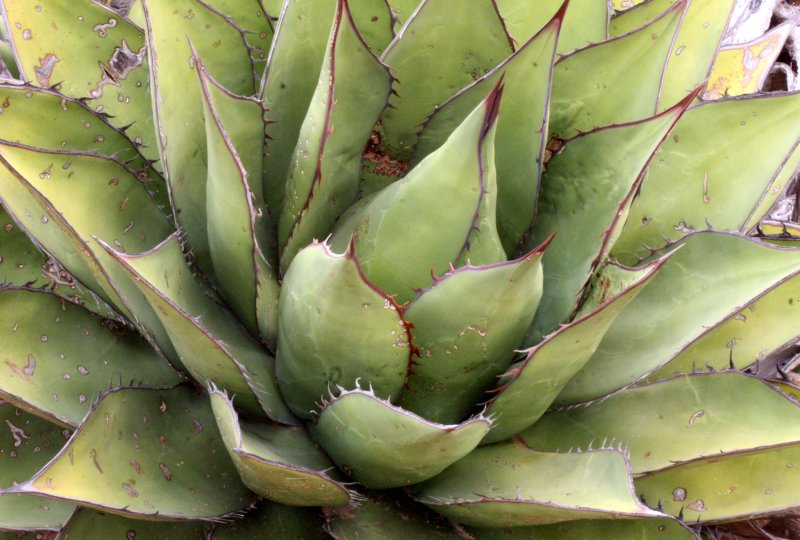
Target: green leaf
x=585, y=194
x=510, y=485
x=437, y=51
x=151, y=453
x=638, y=16
x=323, y=182
x=706, y=282
x=58, y=357
x=586, y=21
x=86, y=523
x=27, y=443
x=295, y=522
x=641, y=529
x=88, y=51
x=290, y=80
x=61, y=199
x=240, y=235
x=733, y=487
x=690, y=190
x=209, y=340
x=278, y=462
x=467, y=326
x=335, y=327
x=676, y=420
x=531, y=385
x=521, y=128
x=590, y=84
x=373, y=20
x=388, y=518
x=384, y=446
x=694, y=49
x=402, y=234
x=171, y=30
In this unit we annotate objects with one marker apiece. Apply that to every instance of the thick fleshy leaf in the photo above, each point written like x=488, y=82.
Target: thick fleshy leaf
x=27, y=443
x=87, y=522
x=323, y=180
x=384, y=446
x=694, y=49
x=672, y=421
x=210, y=342
x=467, y=326
x=510, y=485
x=733, y=487
x=521, y=128
x=353, y=331
x=296, y=522
x=389, y=518
x=696, y=289
x=88, y=51
x=437, y=51
x=531, y=385
x=291, y=76
x=171, y=30
x=138, y=453
x=44, y=118
x=278, y=462
x=61, y=199
x=374, y=21
x=589, y=84
x=240, y=235
x=638, y=16
x=402, y=235
x=585, y=195
x=743, y=68
x=690, y=190
x=640, y=529
x=586, y=21
x=58, y=357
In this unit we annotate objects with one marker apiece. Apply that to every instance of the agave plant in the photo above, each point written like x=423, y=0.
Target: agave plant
x=387, y=269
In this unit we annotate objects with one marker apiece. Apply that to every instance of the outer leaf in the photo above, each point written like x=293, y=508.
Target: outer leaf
x=586, y=21
x=530, y=386
x=737, y=486
x=590, y=84
x=695, y=290
x=61, y=198
x=384, y=446
x=57, y=357
x=638, y=16
x=291, y=76
x=467, y=326
x=586, y=192
x=137, y=455
x=26, y=444
x=437, y=51
x=676, y=420
x=323, y=182
x=521, y=127
x=641, y=529
x=354, y=331
x=694, y=49
x=406, y=217
x=281, y=521
x=170, y=26
x=688, y=190
x=277, y=462
x=86, y=523
x=509, y=485
x=390, y=519
x=239, y=234
x=89, y=52
x=208, y=339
